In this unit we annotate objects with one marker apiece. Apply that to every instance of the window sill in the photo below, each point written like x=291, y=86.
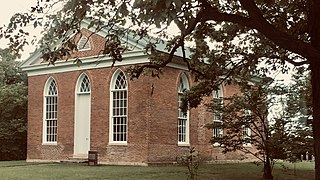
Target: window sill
x=184, y=144
x=49, y=143
x=118, y=143
x=83, y=92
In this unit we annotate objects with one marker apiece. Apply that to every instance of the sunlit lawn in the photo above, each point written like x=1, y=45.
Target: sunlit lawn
x=30, y=171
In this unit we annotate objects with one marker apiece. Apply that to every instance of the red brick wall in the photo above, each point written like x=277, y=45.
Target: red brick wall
x=152, y=119
x=136, y=151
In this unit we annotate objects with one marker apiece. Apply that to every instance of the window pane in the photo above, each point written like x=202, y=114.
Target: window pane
x=83, y=43
x=119, y=106
x=85, y=84
x=182, y=117
x=51, y=112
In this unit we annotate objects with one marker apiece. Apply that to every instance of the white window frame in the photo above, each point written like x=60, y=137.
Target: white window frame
x=83, y=43
x=217, y=94
x=182, y=86
x=125, y=115
x=246, y=131
x=47, y=110
x=79, y=89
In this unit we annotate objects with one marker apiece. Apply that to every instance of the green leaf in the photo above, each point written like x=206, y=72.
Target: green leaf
x=124, y=9
x=178, y=4
x=78, y=62
x=35, y=24
x=91, y=24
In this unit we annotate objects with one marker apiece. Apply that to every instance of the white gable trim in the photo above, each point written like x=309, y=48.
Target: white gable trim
x=138, y=43
x=128, y=39
x=92, y=62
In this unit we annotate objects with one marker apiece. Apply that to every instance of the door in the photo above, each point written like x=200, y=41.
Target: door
x=82, y=125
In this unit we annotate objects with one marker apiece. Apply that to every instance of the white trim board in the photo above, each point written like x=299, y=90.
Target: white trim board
x=92, y=62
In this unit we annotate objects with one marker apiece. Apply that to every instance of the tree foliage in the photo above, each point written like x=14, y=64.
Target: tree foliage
x=246, y=126
x=299, y=97
x=250, y=127
x=13, y=109
x=298, y=107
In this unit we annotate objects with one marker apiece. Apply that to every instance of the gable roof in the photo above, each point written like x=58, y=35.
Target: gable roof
x=34, y=66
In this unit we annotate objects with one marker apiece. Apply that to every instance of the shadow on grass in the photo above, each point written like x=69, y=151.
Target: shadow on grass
x=242, y=171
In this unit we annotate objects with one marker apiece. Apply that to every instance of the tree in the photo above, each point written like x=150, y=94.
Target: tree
x=298, y=108
x=242, y=33
x=247, y=127
x=250, y=126
x=299, y=97
x=13, y=109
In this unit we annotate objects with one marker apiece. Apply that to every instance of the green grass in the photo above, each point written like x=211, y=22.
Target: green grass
x=246, y=171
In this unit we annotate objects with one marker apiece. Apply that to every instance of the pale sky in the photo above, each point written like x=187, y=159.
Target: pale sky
x=8, y=9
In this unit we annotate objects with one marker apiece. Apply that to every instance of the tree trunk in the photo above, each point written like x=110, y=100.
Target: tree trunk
x=267, y=170
x=315, y=81
x=314, y=25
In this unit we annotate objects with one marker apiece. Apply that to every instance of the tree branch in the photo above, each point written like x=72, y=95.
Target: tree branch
x=184, y=32
x=257, y=21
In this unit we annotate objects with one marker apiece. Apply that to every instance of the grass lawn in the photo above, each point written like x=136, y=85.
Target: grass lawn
x=245, y=171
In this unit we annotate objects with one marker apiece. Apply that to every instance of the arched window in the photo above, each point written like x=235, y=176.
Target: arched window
x=183, y=118
x=50, y=111
x=83, y=44
x=84, y=86
x=119, y=108
x=217, y=116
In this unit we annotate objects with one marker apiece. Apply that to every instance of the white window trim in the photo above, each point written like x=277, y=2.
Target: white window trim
x=213, y=134
x=44, y=125
x=111, y=90
x=247, y=112
x=220, y=94
x=249, y=136
x=79, y=83
x=87, y=42
x=187, y=143
x=186, y=83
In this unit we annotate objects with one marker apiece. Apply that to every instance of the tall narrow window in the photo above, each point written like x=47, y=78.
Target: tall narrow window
x=183, y=118
x=85, y=85
x=51, y=112
x=246, y=131
x=83, y=44
x=119, y=107
x=217, y=117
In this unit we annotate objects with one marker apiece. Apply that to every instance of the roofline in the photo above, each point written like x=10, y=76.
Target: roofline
x=131, y=38
x=92, y=62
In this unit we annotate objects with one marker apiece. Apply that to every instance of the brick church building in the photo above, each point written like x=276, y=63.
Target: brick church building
x=73, y=109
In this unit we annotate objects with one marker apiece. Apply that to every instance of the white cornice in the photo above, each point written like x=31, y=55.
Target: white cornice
x=178, y=66
x=93, y=62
